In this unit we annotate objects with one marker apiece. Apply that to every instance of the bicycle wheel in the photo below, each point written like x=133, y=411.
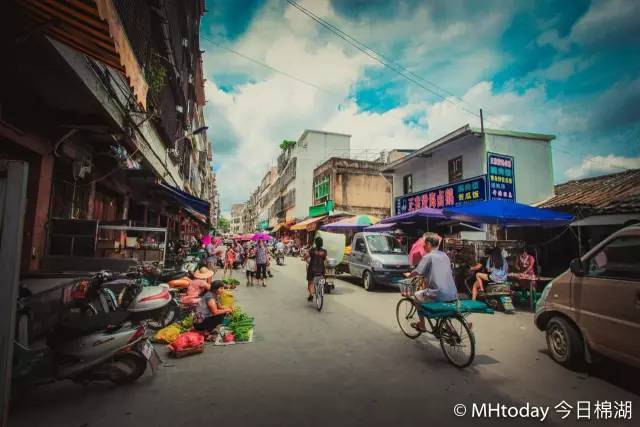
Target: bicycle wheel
x=406, y=313
x=319, y=293
x=457, y=341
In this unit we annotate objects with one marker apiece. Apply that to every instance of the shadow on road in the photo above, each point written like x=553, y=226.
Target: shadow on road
x=624, y=376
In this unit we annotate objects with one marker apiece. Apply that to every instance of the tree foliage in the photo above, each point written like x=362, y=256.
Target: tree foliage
x=287, y=145
x=224, y=225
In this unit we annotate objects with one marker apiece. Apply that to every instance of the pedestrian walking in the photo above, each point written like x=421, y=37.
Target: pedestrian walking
x=262, y=261
x=229, y=260
x=212, y=261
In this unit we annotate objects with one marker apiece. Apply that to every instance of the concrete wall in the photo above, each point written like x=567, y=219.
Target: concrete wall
x=361, y=193
x=434, y=171
x=312, y=150
x=532, y=163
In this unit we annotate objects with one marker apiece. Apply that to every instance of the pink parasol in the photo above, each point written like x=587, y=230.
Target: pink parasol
x=417, y=252
x=261, y=236
x=206, y=239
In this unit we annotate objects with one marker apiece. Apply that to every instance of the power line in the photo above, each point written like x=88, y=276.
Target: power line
x=381, y=59
x=248, y=58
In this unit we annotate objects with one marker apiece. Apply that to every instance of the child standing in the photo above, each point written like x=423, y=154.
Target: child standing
x=250, y=265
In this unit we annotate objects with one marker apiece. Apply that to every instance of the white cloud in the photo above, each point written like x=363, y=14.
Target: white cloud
x=602, y=165
x=552, y=38
x=257, y=115
x=608, y=20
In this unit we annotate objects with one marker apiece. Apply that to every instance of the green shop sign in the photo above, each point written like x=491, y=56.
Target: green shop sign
x=263, y=225
x=321, y=209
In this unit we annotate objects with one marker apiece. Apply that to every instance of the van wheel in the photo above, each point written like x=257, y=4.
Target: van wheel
x=368, y=282
x=565, y=343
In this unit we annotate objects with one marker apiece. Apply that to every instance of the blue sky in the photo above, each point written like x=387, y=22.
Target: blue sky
x=569, y=68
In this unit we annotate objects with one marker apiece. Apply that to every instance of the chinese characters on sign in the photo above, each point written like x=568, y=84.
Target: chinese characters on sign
x=470, y=190
x=501, y=177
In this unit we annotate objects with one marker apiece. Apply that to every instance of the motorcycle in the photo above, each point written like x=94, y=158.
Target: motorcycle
x=100, y=348
x=279, y=257
x=496, y=295
x=131, y=293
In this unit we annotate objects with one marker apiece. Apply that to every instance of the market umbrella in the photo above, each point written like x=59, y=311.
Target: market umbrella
x=390, y=226
x=418, y=214
x=507, y=214
x=357, y=222
x=261, y=236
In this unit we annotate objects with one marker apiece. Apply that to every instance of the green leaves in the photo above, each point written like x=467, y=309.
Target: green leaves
x=287, y=145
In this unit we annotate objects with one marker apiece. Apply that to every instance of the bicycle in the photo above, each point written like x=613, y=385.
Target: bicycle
x=447, y=323
x=319, y=283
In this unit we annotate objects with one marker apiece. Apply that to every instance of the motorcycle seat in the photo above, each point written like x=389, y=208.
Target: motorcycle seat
x=86, y=325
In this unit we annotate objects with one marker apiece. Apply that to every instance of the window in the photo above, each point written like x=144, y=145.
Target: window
x=407, y=184
x=455, y=169
x=321, y=188
x=619, y=259
x=384, y=244
x=359, y=246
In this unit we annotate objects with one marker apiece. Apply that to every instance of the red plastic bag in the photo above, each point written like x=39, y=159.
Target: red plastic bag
x=187, y=340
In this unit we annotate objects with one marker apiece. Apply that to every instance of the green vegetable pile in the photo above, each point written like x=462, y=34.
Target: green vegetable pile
x=241, y=324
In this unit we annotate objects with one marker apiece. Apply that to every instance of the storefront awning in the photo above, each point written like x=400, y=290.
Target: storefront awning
x=185, y=199
x=308, y=224
x=93, y=28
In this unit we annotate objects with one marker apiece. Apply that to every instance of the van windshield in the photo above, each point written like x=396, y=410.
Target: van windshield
x=384, y=244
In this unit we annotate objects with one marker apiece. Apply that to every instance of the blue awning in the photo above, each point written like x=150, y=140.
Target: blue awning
x=186, y=199
x=508, y=213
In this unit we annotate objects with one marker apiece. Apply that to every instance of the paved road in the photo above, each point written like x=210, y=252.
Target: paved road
x=347, y=366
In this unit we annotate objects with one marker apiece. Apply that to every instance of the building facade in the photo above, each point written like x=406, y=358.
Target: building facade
x=114, y=130
x=353, y=186
x=237, y=213
x=291, y=195
x=469, y=165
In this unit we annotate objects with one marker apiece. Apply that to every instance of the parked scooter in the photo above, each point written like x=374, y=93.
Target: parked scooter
x=279, y=257
x=105, y=293
x=85, y=349
x=496, y=295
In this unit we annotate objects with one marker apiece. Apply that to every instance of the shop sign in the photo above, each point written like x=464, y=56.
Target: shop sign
x=469, y=190
x=321, y=209
x=501, y=177
x=264, y=224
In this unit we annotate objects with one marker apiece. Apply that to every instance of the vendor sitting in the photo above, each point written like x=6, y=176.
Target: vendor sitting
x=210, y=311
x=496, y=269
x=199, y=285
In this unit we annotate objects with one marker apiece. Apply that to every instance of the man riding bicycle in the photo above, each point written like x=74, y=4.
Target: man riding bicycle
x=315, y=259
x=435, y=267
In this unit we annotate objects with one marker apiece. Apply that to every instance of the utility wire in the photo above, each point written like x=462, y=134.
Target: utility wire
x=381, y=59
x=248, y=58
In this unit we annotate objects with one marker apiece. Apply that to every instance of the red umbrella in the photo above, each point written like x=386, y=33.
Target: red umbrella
x=417, y=252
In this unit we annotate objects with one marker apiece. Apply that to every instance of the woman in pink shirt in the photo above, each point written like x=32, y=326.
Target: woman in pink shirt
x=198, y=286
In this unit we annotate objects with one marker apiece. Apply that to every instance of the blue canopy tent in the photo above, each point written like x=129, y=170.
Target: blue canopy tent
x=508, y=214
x=193, y=205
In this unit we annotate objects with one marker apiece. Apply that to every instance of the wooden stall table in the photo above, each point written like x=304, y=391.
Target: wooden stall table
x=533, y=284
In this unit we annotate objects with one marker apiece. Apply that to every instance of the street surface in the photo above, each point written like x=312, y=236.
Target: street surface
x=347, y=366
